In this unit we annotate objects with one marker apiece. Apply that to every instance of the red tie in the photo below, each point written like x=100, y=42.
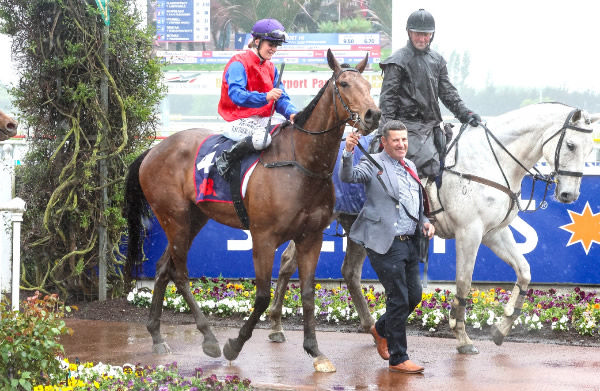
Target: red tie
x=410, y=171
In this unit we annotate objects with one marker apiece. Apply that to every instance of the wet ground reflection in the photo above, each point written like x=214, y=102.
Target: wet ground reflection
x=285, y=366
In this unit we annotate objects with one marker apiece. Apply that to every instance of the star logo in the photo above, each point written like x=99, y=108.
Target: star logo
x=584, y=228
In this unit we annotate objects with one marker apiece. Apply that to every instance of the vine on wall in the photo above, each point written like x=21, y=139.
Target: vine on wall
x=58, y=47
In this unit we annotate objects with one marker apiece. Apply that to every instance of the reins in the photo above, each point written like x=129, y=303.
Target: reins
x=354, y=117
x=536, y=176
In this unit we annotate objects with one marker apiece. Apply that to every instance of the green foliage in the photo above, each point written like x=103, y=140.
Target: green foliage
x=350, y=25
x=61, y=58
x=29, y=342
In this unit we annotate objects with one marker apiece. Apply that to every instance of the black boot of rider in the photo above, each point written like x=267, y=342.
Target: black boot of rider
x=236, y=153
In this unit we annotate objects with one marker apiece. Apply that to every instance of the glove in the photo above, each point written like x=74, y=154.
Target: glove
x=472, y=119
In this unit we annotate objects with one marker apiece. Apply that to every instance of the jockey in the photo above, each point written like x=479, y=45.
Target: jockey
x=248, y=94
x=415, y=79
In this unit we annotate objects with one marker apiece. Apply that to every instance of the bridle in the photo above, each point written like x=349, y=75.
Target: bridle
x=353, y=117
x=563, y=131
x=537, y=176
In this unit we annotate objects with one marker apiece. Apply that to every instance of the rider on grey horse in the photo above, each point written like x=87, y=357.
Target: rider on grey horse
x=414, y=78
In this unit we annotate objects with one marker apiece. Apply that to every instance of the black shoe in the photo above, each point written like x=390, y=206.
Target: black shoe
x=240, y=149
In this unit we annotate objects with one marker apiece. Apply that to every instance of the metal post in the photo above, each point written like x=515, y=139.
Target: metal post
x=102, y=235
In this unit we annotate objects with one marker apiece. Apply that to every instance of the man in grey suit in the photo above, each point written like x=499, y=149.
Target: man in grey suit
x=386, y=227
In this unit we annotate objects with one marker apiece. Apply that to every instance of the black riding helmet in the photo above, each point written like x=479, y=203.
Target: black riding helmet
x=421, y=21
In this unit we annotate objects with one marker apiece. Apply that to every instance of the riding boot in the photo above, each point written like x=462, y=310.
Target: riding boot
x=236, y=153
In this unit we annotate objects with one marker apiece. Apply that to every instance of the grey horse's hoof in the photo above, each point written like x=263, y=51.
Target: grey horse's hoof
x=497, y=335
x=467, y=349
x=228, y=351
x=211, y=349
x=161, y=348
x=322, y=364
x=277, y=336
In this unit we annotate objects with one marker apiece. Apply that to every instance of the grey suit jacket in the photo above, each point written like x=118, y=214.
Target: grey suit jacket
x=374, y=227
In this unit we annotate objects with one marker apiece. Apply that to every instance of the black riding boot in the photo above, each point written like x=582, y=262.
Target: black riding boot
x=236, y=153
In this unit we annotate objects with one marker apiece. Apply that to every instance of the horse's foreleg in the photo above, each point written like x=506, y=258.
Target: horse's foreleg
x=467, y=244
x=263, y=254
x=503, y=244
x=160, y=285
x=288, y=267
x=352, y=272
x=307, y=253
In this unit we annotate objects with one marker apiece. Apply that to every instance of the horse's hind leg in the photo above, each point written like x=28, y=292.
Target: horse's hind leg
x=352, y=272
x=181, y=245
x=288, y=267
x=153, y=324
x=502, y=243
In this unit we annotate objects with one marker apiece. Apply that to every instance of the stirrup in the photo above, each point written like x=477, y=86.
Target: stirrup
x=223, y=166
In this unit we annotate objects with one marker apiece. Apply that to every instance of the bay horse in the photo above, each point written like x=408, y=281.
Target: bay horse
x=8, y=127
x=291, y=202
x=478, y=199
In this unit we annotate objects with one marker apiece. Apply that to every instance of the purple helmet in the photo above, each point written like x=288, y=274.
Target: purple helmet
x=269, y=29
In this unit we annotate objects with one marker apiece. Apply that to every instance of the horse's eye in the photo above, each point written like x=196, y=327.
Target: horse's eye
x=571, y=146
x=343, y=84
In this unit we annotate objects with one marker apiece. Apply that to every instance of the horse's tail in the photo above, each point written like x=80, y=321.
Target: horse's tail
x=136, y=210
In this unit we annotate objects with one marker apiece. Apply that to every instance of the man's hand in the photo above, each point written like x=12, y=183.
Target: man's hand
x=351, y=141
x=428, y=230
x=473, y=119
x=274, y=94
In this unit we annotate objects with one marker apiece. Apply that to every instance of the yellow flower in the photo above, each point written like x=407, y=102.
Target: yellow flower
x=72, y=367
x=475, y=300
x=238, y=287
x=190, y=283
x=525, y=305
x=475, y=293
x=318, y=286
x=96, y=384
x=246, y=293
x=482, y=294
x=229, y=285
x=443, y=298
x=597, y=306
x=539, y=305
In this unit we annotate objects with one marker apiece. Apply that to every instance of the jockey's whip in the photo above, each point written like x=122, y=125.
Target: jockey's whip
x=273, y=108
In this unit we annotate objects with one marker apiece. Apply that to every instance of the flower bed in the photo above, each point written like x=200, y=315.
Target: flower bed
x=135, y=377
x=577, y=310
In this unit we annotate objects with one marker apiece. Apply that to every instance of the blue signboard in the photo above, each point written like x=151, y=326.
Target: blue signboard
x=560, y=242
x=183, y=21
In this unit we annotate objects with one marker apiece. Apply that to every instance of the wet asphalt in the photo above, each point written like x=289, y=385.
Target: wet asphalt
x=285, y=366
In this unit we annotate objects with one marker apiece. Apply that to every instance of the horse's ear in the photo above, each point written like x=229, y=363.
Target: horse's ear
x=333, y=64
x=361, y=65
x=576, y=116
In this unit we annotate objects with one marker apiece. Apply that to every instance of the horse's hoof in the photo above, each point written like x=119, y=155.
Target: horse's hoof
x=322, y=364
x=467, y=349
x=228, y=351
x=497, y=335
x=277, y=336
x=161, y=348
x=211, y=349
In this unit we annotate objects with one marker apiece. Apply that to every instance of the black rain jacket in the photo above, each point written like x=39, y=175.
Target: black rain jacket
x=413, y=81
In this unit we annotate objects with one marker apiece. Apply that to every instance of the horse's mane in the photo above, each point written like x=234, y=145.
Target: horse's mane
x=302, y=116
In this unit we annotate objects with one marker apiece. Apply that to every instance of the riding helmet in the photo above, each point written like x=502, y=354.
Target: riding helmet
x=421, y=21
x=269, y=29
